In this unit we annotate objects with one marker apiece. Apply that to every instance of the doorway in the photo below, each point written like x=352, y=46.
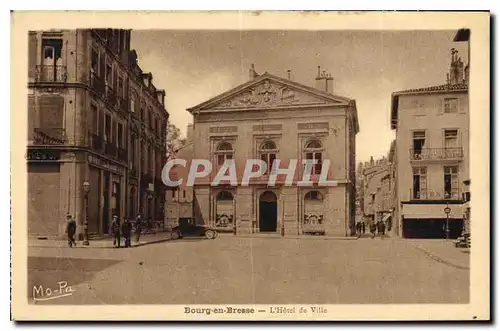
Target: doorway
x=268, y=212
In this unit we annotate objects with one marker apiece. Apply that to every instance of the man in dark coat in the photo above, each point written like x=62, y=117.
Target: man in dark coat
x=381, y=229
x=138, y=227
x=363, y=227
x=373, y=228
x=115, y=230
x=126, y=231
x=71, y=230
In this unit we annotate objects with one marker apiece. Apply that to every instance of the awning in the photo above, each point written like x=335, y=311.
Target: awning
x=386, y=217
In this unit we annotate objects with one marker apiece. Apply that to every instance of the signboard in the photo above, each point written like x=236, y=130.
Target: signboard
x=96, y=161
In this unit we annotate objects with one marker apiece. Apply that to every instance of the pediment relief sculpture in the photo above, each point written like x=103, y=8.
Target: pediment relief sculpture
x=269, y=94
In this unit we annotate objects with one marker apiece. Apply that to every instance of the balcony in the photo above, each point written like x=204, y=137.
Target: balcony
x=51, y=136
x=97, y=143
x=111, y=95
x=97, y=83
x=453, y=194
x=437, y=154
x=110, y=149
x=51, y=74
x=122, y=105
x=122, y=154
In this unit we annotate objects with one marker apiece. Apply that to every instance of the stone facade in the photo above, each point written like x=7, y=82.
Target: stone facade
x=378, y=187
x=432, y=135
x=274, y=118
x=80, y=120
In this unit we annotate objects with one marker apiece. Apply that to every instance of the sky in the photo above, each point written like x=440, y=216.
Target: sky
x=194, y=66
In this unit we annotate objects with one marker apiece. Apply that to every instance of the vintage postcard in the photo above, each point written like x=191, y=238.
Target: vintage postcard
x=250, y=166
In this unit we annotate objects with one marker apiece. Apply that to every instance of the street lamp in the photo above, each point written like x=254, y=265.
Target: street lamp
x=447, y=211
x=86, y=190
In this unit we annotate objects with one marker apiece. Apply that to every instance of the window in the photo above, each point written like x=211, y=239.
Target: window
x=120, y=87
x=450, y=138
x=109, y=73
x=93, y=119
x=143, y=114
x=132, y=151
x=132, y=105
x=418, y=143
x=120, y=135
x=224, y=196
x=419, y=183
x=224, y=152
x=107, y=128
x=450, y=105
x=313, y=151
x=268, y=154
x=184, y=194
x=95, y=61
x=314, y=195
x=451, y=182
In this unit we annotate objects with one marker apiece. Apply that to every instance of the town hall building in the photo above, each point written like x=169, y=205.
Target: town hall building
x=269, y=118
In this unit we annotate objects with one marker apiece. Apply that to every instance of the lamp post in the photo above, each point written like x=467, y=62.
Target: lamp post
x=447, y=211
x=86, y=190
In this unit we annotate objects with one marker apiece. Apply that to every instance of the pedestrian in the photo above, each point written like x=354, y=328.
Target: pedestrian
x=115, y=230
x=138, y=227
x=126, y=232
x=71, y=230
x=363, y=227
x=381, y=229
x=373, y=228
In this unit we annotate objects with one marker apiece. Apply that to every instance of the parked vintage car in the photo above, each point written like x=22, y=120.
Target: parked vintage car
x=190, y=229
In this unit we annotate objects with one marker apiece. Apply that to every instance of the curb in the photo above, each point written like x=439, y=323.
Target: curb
x=297, y=237
x=103, y=247
x=440, y=260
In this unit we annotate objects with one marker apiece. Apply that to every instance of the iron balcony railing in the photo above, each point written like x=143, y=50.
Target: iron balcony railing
x=97, y=83
x=452, y=153
x=111, y=95
x=122, y=104
x=110, y=149
x=51, y=74
x=122, y=154
x=50, y=136
x=97, y=143
x=447, y=194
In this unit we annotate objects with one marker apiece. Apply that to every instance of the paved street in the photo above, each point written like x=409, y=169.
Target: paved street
x=253, y=270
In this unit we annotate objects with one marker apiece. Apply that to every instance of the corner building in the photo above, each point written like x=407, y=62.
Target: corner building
x=92, y=115
x=270, y=118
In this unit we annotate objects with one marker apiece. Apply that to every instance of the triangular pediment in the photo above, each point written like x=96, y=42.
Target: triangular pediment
x=268, y=91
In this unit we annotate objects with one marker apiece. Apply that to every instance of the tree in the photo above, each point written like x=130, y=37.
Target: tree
x=174, y=139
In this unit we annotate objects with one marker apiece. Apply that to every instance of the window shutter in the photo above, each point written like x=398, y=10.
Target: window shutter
x=461, y=106
x=102, y=65
x=441, y=108
x=32, y=54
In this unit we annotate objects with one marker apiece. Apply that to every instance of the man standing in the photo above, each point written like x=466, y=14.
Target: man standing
x=138, y=227
x=373, y=228
x=126, y=231
x=363, y=227
x=381, y=229
x=71, y=230
x=115, y=229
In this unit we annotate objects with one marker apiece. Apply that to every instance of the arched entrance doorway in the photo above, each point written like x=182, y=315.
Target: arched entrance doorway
x=268, y=212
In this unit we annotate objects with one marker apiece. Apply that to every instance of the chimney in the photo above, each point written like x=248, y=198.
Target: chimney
x=456, y=68
x=289, y=74
x=190, y=133
x=324, y=81
x=252, y=74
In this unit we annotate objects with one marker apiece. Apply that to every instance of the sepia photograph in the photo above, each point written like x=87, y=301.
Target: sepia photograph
x=252, y=171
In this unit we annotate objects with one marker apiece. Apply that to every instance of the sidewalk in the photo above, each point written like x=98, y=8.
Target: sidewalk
x=443, y=251
x=286, y=236
x=146, y=239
